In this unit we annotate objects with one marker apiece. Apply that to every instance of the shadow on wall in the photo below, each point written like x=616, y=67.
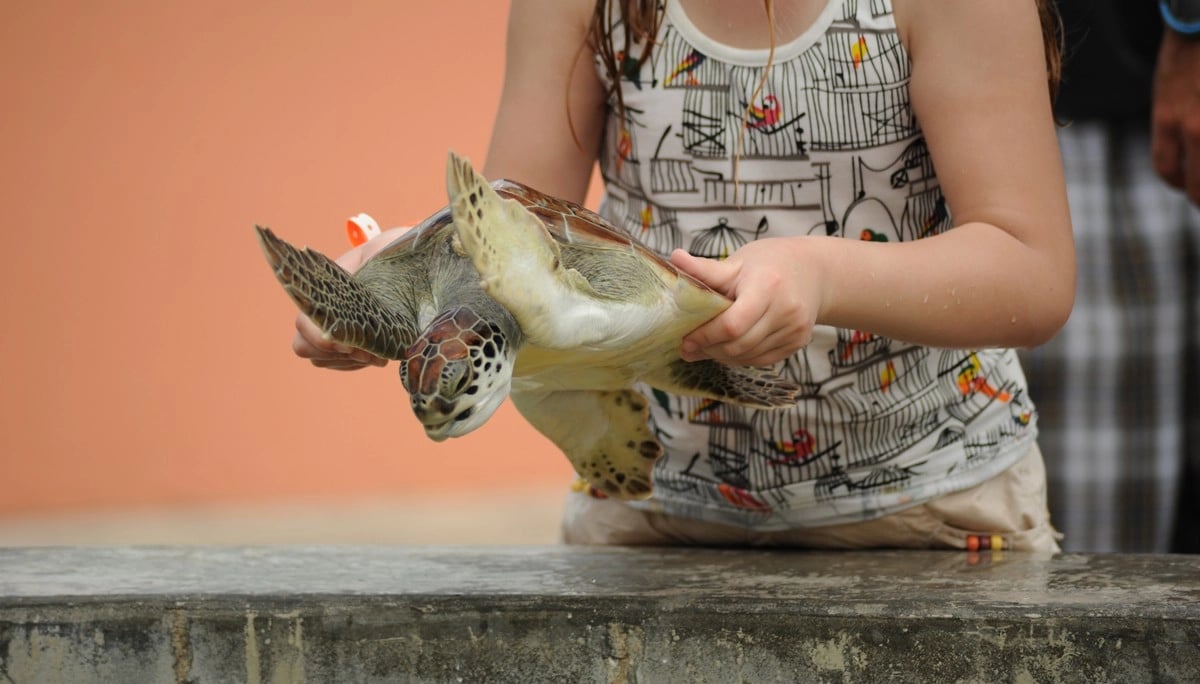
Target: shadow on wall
x=145, y=358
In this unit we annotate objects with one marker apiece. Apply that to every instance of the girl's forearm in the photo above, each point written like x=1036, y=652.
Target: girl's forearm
x=973, y=286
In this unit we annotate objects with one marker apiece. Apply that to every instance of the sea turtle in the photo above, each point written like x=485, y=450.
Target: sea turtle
x=510, y=292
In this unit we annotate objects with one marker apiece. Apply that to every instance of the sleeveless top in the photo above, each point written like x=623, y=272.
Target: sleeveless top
x=830, y=146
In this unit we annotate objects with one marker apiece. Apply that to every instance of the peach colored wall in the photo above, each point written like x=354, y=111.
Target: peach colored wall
x=144, y=349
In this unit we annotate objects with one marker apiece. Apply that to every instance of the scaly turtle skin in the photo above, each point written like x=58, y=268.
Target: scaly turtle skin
x=508, y=291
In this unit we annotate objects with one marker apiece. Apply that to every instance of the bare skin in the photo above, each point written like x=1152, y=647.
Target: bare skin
x=744, y=24
x=978, y=88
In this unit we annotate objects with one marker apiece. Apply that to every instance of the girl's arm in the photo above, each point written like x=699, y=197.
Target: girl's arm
x=547, y=56
x=1003, y=277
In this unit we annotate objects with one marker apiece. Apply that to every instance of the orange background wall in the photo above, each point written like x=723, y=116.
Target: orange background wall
x=145, y=347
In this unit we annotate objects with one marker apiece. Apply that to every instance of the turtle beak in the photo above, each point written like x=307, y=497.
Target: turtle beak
x=439, y=433
x=443, y=419
x=436, y=415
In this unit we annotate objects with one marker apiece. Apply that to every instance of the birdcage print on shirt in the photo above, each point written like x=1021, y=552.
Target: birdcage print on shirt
x=882, y=479
x=864, y=59
x=766, y=115
x=801, y=193
x=717, y=477
x=925, y=215
x=794, y=447
x=981, y=447
x=620, y=162
x=978, y=378
x=705, y=83
x=721, y=239
x=705, y=493
x=651, y=224
x=703, y=120
x=856, y=346
x=925, y=212
x=857, y=94
x=684, y=66
x=730, y=439
x=890, y=405
x=797, y=369
x=671, y=175
x=852, y=11
x=684, y=481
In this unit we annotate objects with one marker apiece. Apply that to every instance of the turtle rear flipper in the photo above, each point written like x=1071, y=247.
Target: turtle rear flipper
x=745, y=386
x=345, y=310
x=605, y=435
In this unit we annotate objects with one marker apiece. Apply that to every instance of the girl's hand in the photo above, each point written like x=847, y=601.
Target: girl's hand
x=776, y=299
x=310, y=343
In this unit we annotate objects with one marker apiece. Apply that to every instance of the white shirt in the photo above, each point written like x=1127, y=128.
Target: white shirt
x=831, y=147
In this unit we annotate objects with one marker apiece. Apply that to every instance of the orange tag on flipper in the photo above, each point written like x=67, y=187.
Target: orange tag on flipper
x=361, y=229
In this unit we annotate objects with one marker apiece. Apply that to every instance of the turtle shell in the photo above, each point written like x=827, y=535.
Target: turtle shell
x=567, y=222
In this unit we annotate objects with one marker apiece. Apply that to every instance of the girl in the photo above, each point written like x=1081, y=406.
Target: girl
x=877, y=187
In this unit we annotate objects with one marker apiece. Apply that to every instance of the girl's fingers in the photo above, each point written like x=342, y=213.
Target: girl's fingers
x=338, y=364
x=731, y=326
x=768, y=347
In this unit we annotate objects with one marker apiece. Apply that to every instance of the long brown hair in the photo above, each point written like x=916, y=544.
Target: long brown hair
x=642, y=18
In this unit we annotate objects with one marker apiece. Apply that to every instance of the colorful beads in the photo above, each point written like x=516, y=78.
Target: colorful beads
x=986, y=542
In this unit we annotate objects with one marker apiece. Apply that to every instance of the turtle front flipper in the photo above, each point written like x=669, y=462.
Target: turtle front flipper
x=745, y=386
x=605, y=435
x=521, y=266
x=345, y=310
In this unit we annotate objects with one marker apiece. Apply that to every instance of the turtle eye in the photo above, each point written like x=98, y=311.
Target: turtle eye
x=455, y=378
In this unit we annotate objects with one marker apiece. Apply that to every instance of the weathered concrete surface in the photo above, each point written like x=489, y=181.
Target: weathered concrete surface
x=557, y=614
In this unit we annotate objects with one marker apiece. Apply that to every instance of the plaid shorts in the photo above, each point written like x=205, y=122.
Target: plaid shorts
x=1114, y=389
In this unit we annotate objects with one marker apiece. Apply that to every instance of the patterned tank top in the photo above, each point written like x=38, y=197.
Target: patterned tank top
x=829, y=146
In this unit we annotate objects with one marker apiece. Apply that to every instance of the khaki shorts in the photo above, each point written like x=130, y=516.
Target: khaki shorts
x=1008, y=512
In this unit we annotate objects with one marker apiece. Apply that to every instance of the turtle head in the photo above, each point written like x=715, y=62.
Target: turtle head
x=458, y=372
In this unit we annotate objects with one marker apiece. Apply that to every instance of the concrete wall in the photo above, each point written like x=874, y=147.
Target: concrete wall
x=558, y=614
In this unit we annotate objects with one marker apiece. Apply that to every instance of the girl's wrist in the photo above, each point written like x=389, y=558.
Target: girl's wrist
x=816, y=261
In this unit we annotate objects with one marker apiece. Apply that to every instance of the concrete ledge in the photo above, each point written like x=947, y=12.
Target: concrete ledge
x=558, y=614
